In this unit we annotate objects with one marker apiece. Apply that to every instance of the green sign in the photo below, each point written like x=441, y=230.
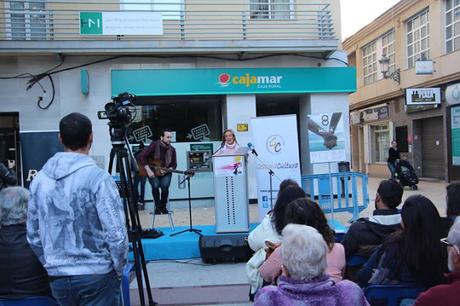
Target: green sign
x=201, y=147
x=455, y=131
x=159, y=82
x=90, y=23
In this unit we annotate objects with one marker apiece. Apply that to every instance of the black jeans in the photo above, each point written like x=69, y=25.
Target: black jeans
x=160, y=182
x=139, y=180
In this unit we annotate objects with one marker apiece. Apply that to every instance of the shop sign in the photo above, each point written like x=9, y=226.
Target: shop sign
x=423, y=67
x=37, y=148
x=423, y=96
x=453, y=94
x=158, y=82
x=455, y=135
x=121, y=23
x=201, y=147
x=375, y=114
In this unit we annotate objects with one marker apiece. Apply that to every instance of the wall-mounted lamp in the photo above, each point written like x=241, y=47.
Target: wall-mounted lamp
x=385, y=67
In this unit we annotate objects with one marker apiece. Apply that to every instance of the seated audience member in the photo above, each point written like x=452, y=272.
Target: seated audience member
x=370, y=232
x=304, y=281
x=268, y=230
x=446, y=295
x=22, y=275
x=287, y=183
x=306, y=212
x=453, y=205
x=413, y=254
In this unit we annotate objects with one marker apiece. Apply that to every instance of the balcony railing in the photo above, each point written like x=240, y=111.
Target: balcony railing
x=180, y=20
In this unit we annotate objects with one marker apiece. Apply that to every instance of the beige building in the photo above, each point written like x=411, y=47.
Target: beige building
x=196, y=66
x=410, y=37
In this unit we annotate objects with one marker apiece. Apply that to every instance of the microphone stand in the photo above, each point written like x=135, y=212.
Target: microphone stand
x=190, y=229
x=271, y=173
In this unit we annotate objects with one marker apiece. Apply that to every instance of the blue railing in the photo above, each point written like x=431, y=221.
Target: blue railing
x=348, y=194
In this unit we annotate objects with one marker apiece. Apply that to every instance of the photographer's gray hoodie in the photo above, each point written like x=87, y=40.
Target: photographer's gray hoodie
x=76, y=223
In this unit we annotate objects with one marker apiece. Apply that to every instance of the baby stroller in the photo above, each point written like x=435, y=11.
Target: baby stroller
x=406, y=175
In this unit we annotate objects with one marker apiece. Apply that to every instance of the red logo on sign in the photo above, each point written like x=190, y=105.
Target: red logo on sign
x=223, y=79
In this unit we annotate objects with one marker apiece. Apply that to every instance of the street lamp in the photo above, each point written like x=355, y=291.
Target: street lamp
x=385, y=67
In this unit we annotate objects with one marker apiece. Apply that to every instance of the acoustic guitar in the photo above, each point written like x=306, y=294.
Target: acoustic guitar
x=159, y=170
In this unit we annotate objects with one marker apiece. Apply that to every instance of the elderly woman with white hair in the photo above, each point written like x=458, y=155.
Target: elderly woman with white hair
x=22, y=275
x=304, y=281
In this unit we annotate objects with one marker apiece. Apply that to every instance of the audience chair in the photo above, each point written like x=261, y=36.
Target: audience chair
x=30, y=301
x=170, y=213
x=392, y=294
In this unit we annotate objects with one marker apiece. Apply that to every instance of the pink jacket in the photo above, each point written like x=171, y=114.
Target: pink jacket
x=271, y=268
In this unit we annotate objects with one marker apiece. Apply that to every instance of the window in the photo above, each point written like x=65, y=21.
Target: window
x=169, y=9
x=192, y=118
x=452, y=25
x=388, y=49
x=272, y=9
x=27, y=20
x=370, y=63
x=418, y=38
x=380, y=135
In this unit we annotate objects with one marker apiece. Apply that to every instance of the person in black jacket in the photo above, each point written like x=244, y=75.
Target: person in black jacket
x=393, y=158
x=366, y=234
x=452, y=204
x=22, y=275
x=7, y=175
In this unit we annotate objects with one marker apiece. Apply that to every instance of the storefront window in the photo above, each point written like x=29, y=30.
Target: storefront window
x=191, y=118
x=380, y=137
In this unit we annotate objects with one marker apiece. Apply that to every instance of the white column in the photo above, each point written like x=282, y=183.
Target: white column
x=240, y=109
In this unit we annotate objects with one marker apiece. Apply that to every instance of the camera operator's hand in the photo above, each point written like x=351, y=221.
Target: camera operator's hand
x=11, y=164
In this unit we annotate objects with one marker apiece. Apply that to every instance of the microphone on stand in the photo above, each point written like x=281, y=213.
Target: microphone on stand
x=220, y=148
x=251, y=148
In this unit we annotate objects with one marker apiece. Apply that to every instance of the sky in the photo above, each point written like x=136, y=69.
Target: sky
x=358, y=13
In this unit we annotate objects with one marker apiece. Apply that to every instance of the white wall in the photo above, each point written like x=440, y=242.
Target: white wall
x=240, y=109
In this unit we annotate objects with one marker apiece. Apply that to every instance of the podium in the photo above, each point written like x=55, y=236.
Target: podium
x=231, y=192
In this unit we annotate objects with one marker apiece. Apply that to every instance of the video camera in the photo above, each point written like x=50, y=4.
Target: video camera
x=121, y=111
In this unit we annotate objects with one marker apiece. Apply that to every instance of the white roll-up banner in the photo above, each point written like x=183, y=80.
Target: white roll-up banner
x=276, y=143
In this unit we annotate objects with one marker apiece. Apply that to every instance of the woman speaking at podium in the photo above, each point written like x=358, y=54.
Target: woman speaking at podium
x=229, y=144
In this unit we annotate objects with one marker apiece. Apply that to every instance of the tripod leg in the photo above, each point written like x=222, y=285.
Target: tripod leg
x=134, y=228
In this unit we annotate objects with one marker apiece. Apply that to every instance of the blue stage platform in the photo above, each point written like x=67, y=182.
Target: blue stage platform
x=185, y=245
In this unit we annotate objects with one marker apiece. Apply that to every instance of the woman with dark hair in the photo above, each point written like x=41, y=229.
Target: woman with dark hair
x=269, y=230
x=278, y=214
x=306, y=212
x=413, y=254
x=287, y=183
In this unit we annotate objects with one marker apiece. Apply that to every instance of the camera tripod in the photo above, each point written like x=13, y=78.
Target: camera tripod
x=119, y=153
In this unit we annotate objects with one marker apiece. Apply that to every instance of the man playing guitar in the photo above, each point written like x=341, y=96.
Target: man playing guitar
x=159, y=160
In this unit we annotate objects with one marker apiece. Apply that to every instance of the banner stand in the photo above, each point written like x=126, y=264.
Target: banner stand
x=327, y=144
x=275, y=139
x=271, y=174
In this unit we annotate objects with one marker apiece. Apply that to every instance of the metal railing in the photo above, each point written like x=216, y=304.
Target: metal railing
x=348, y=188
x=185, y=20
